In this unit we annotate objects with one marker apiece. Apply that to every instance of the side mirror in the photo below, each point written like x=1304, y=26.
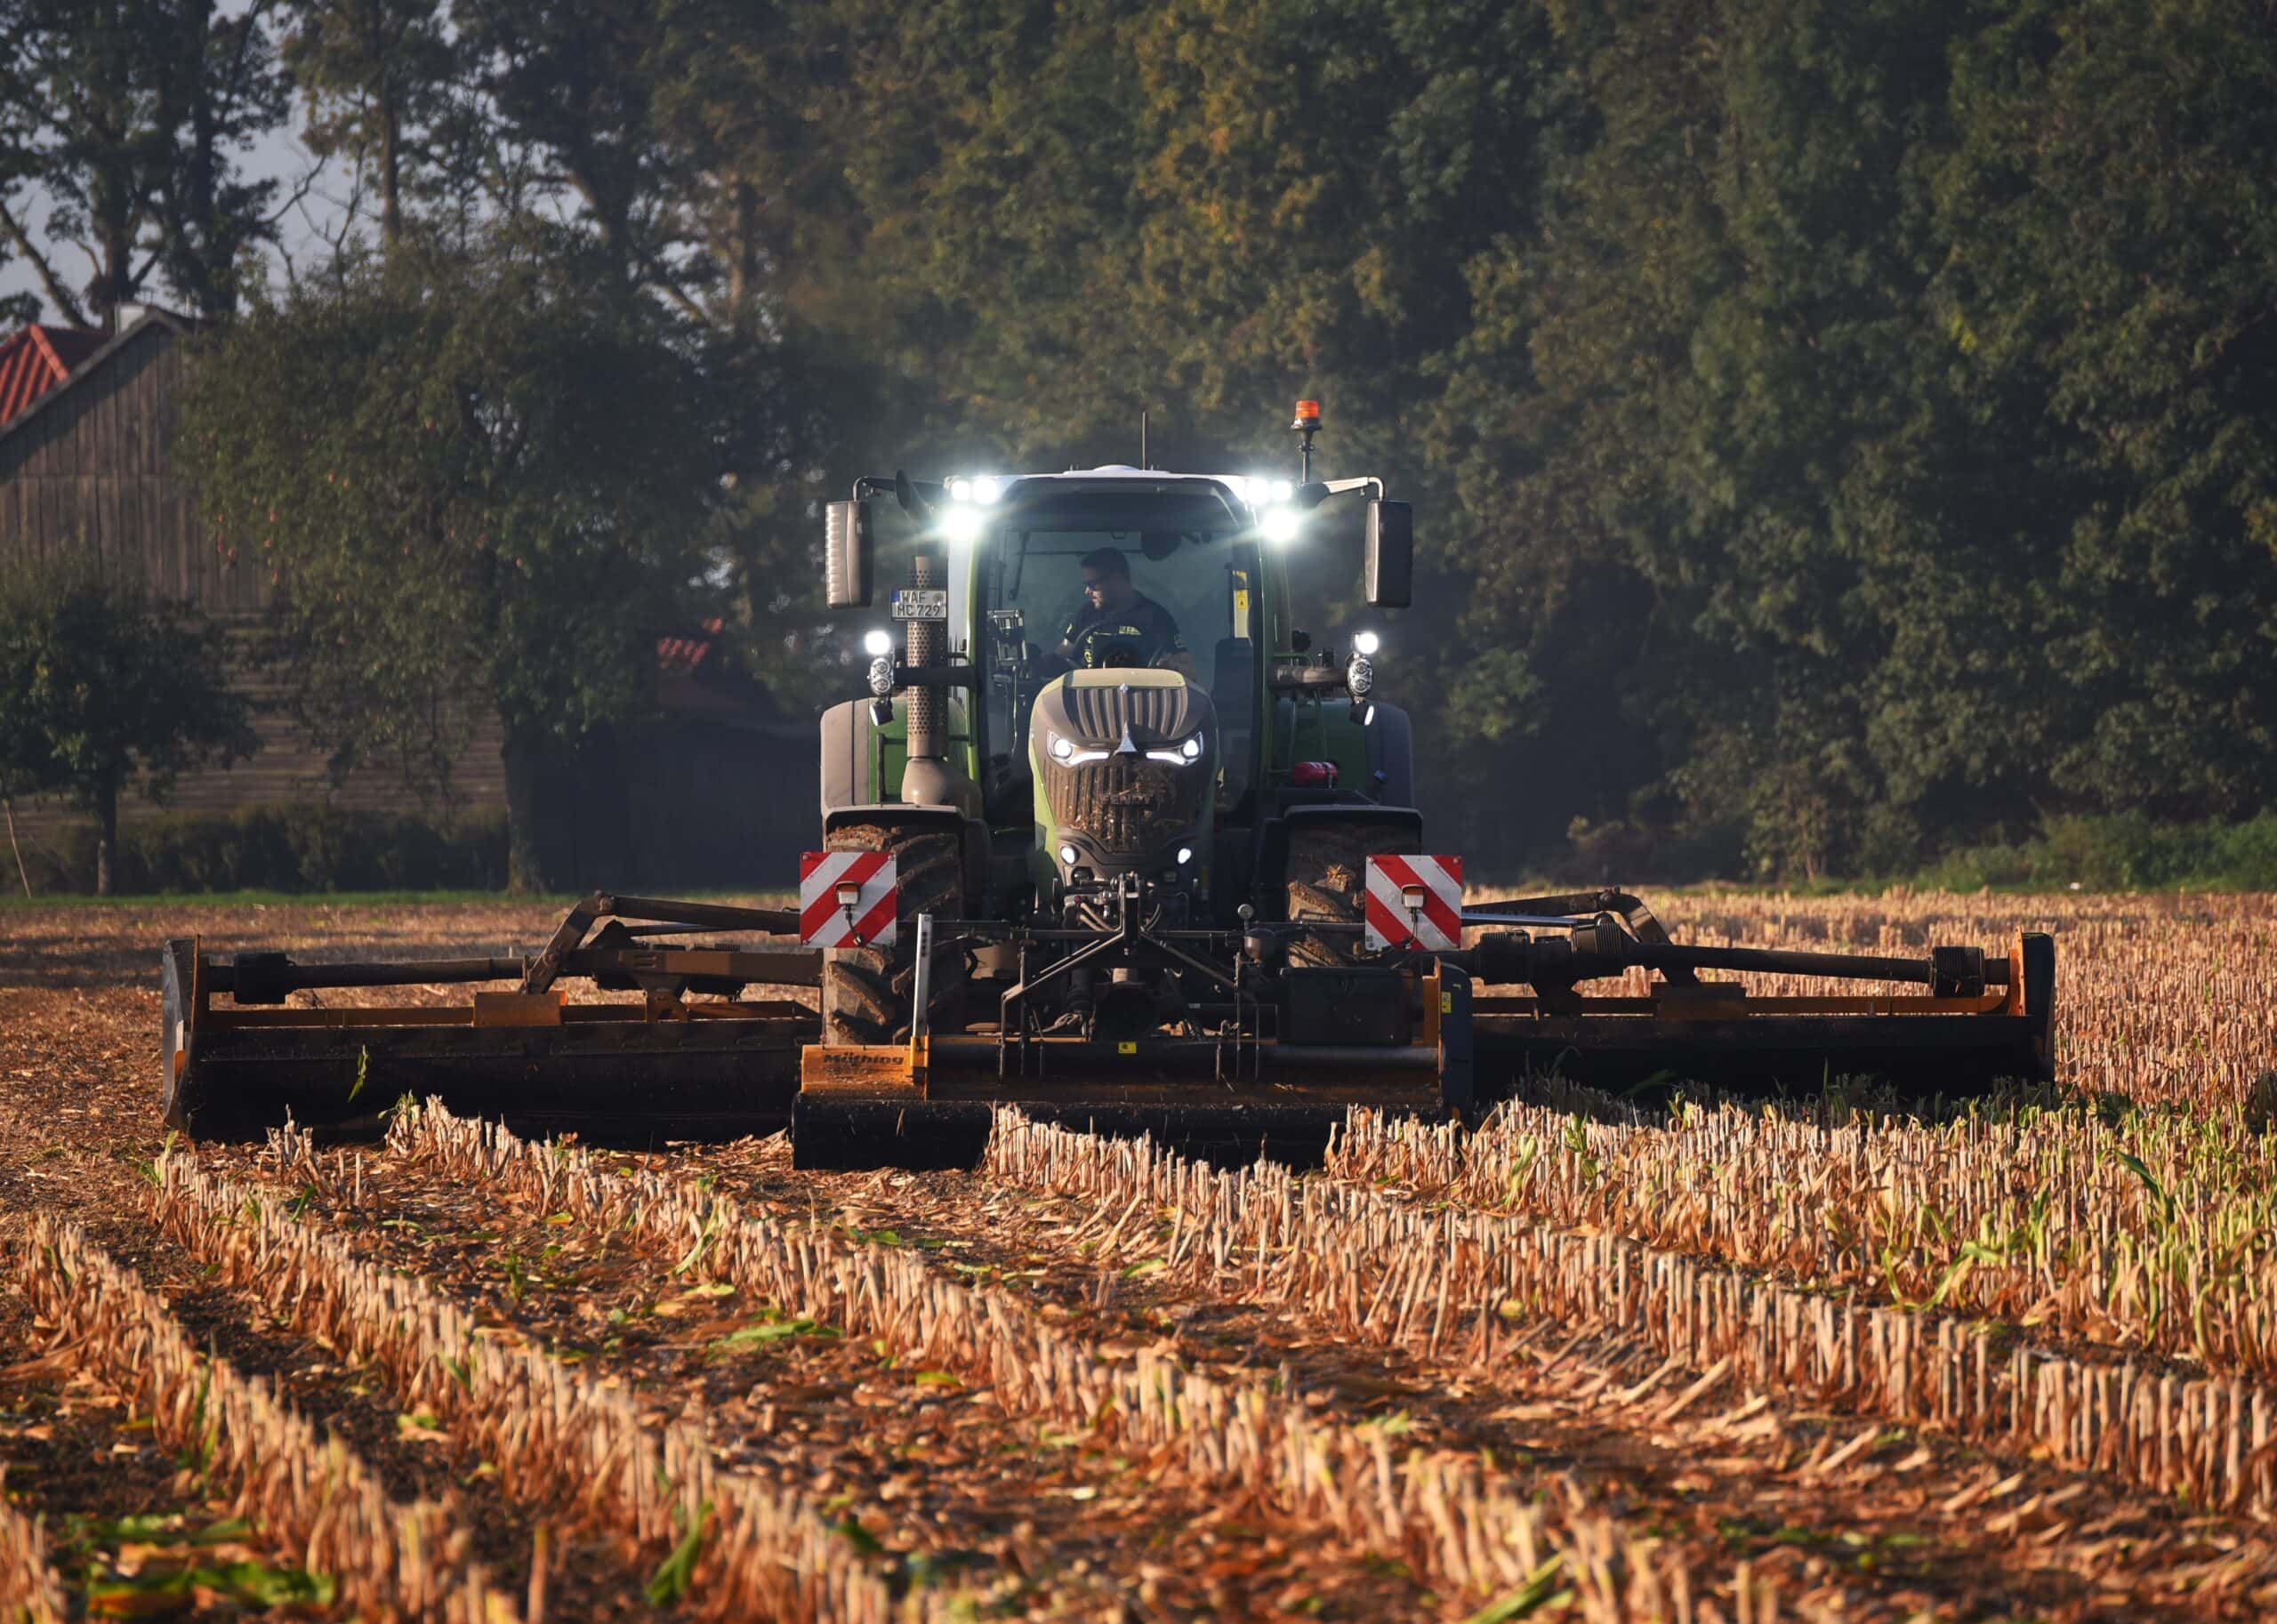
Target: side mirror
x=1391, y=554
x=848, y=555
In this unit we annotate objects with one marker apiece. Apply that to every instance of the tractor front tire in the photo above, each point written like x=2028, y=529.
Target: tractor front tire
x=867, y=992
x=1328, y=881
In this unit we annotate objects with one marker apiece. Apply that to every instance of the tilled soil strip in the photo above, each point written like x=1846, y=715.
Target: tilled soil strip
x=29, y=1591
x=556, y=1439
x=313, y=1493
x=2207, y=1439
x=1445, y=1515
x=1377, y=1271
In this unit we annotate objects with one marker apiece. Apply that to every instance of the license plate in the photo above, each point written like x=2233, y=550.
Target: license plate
x=920, y=603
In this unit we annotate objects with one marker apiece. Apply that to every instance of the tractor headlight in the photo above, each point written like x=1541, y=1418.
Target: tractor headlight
x=1280, y=525
x=1068, y=753
x=878, y=644
x=1360, y=676
x=1187, y=752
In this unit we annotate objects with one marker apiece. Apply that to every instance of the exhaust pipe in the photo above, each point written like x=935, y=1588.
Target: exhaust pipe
x=926, y=780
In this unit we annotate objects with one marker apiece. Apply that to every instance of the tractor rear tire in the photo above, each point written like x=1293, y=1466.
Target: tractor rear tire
x=867, y=991
x=1328, y=881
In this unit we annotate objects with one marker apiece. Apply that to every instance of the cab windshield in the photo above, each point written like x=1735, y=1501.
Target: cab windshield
x=1172, y=591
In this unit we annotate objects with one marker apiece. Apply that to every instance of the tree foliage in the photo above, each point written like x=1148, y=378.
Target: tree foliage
x=476, y=482
x=129, y=120
x=102, y=687
x=1842, y=433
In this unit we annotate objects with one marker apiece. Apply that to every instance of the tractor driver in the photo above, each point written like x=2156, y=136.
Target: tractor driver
x=1118, y=624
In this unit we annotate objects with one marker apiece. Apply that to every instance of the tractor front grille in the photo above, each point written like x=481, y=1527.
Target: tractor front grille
x=1151, y=713
x=1127, y=807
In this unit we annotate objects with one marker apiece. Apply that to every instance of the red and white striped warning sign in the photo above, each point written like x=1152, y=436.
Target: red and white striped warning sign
x=1415, y=902
x=847, y=899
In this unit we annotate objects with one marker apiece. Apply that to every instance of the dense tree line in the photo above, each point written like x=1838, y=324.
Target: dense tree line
x=1839, y=432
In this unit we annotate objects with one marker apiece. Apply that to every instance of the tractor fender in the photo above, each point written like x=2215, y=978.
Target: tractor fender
x=1273, y=837
x=845, y=756
x=973, y=833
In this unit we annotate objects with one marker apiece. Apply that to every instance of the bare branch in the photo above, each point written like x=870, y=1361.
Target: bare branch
x=301, y=189
x=672, y=290
x=57, y=293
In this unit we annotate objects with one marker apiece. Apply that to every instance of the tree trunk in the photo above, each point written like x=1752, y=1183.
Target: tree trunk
x=742, y=262
x=8, y=805
x=107, y=839
x=568, y=817
x=532, y=857
x=391, y=173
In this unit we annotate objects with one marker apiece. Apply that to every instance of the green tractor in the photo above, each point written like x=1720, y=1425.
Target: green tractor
x=1135, y=808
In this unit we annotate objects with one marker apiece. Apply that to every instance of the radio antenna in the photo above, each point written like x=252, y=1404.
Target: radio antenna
x=1143, y=462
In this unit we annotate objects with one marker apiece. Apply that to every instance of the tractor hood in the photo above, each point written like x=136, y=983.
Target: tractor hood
x=1124, y=762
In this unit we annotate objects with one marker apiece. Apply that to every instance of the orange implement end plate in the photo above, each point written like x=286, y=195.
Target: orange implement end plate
x=517, y=1008
x=884, y=1068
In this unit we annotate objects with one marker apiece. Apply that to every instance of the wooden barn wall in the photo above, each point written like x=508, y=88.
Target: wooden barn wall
x=92, y=468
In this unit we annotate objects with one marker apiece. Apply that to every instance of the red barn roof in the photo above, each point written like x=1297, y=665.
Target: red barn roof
x=35, y=360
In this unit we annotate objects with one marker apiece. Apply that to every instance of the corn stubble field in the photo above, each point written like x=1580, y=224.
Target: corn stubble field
x=1711, y=1363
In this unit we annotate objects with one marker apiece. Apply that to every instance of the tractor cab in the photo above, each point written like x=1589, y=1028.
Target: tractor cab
x=1121, y=690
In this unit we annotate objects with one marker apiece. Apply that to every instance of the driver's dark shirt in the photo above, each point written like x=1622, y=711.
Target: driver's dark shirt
x=1145, y=623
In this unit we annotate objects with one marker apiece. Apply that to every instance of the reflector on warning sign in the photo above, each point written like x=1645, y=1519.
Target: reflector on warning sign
x=847, y=899
x=1414, y=903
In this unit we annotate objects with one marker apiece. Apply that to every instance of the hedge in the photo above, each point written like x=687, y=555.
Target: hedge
x=312, y=848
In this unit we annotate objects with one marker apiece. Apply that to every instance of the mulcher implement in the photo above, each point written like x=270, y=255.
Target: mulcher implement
x=1111, y=840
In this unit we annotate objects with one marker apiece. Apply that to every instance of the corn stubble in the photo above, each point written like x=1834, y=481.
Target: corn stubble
x=308, y=1490
x=1386, y=1267
x=1444, y=1515
x=29, y=1591
x=558, y=1441
x=2093, y=1282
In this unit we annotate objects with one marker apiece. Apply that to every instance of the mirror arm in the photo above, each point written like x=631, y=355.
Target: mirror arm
x=926, y=493
x=1311, y=496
